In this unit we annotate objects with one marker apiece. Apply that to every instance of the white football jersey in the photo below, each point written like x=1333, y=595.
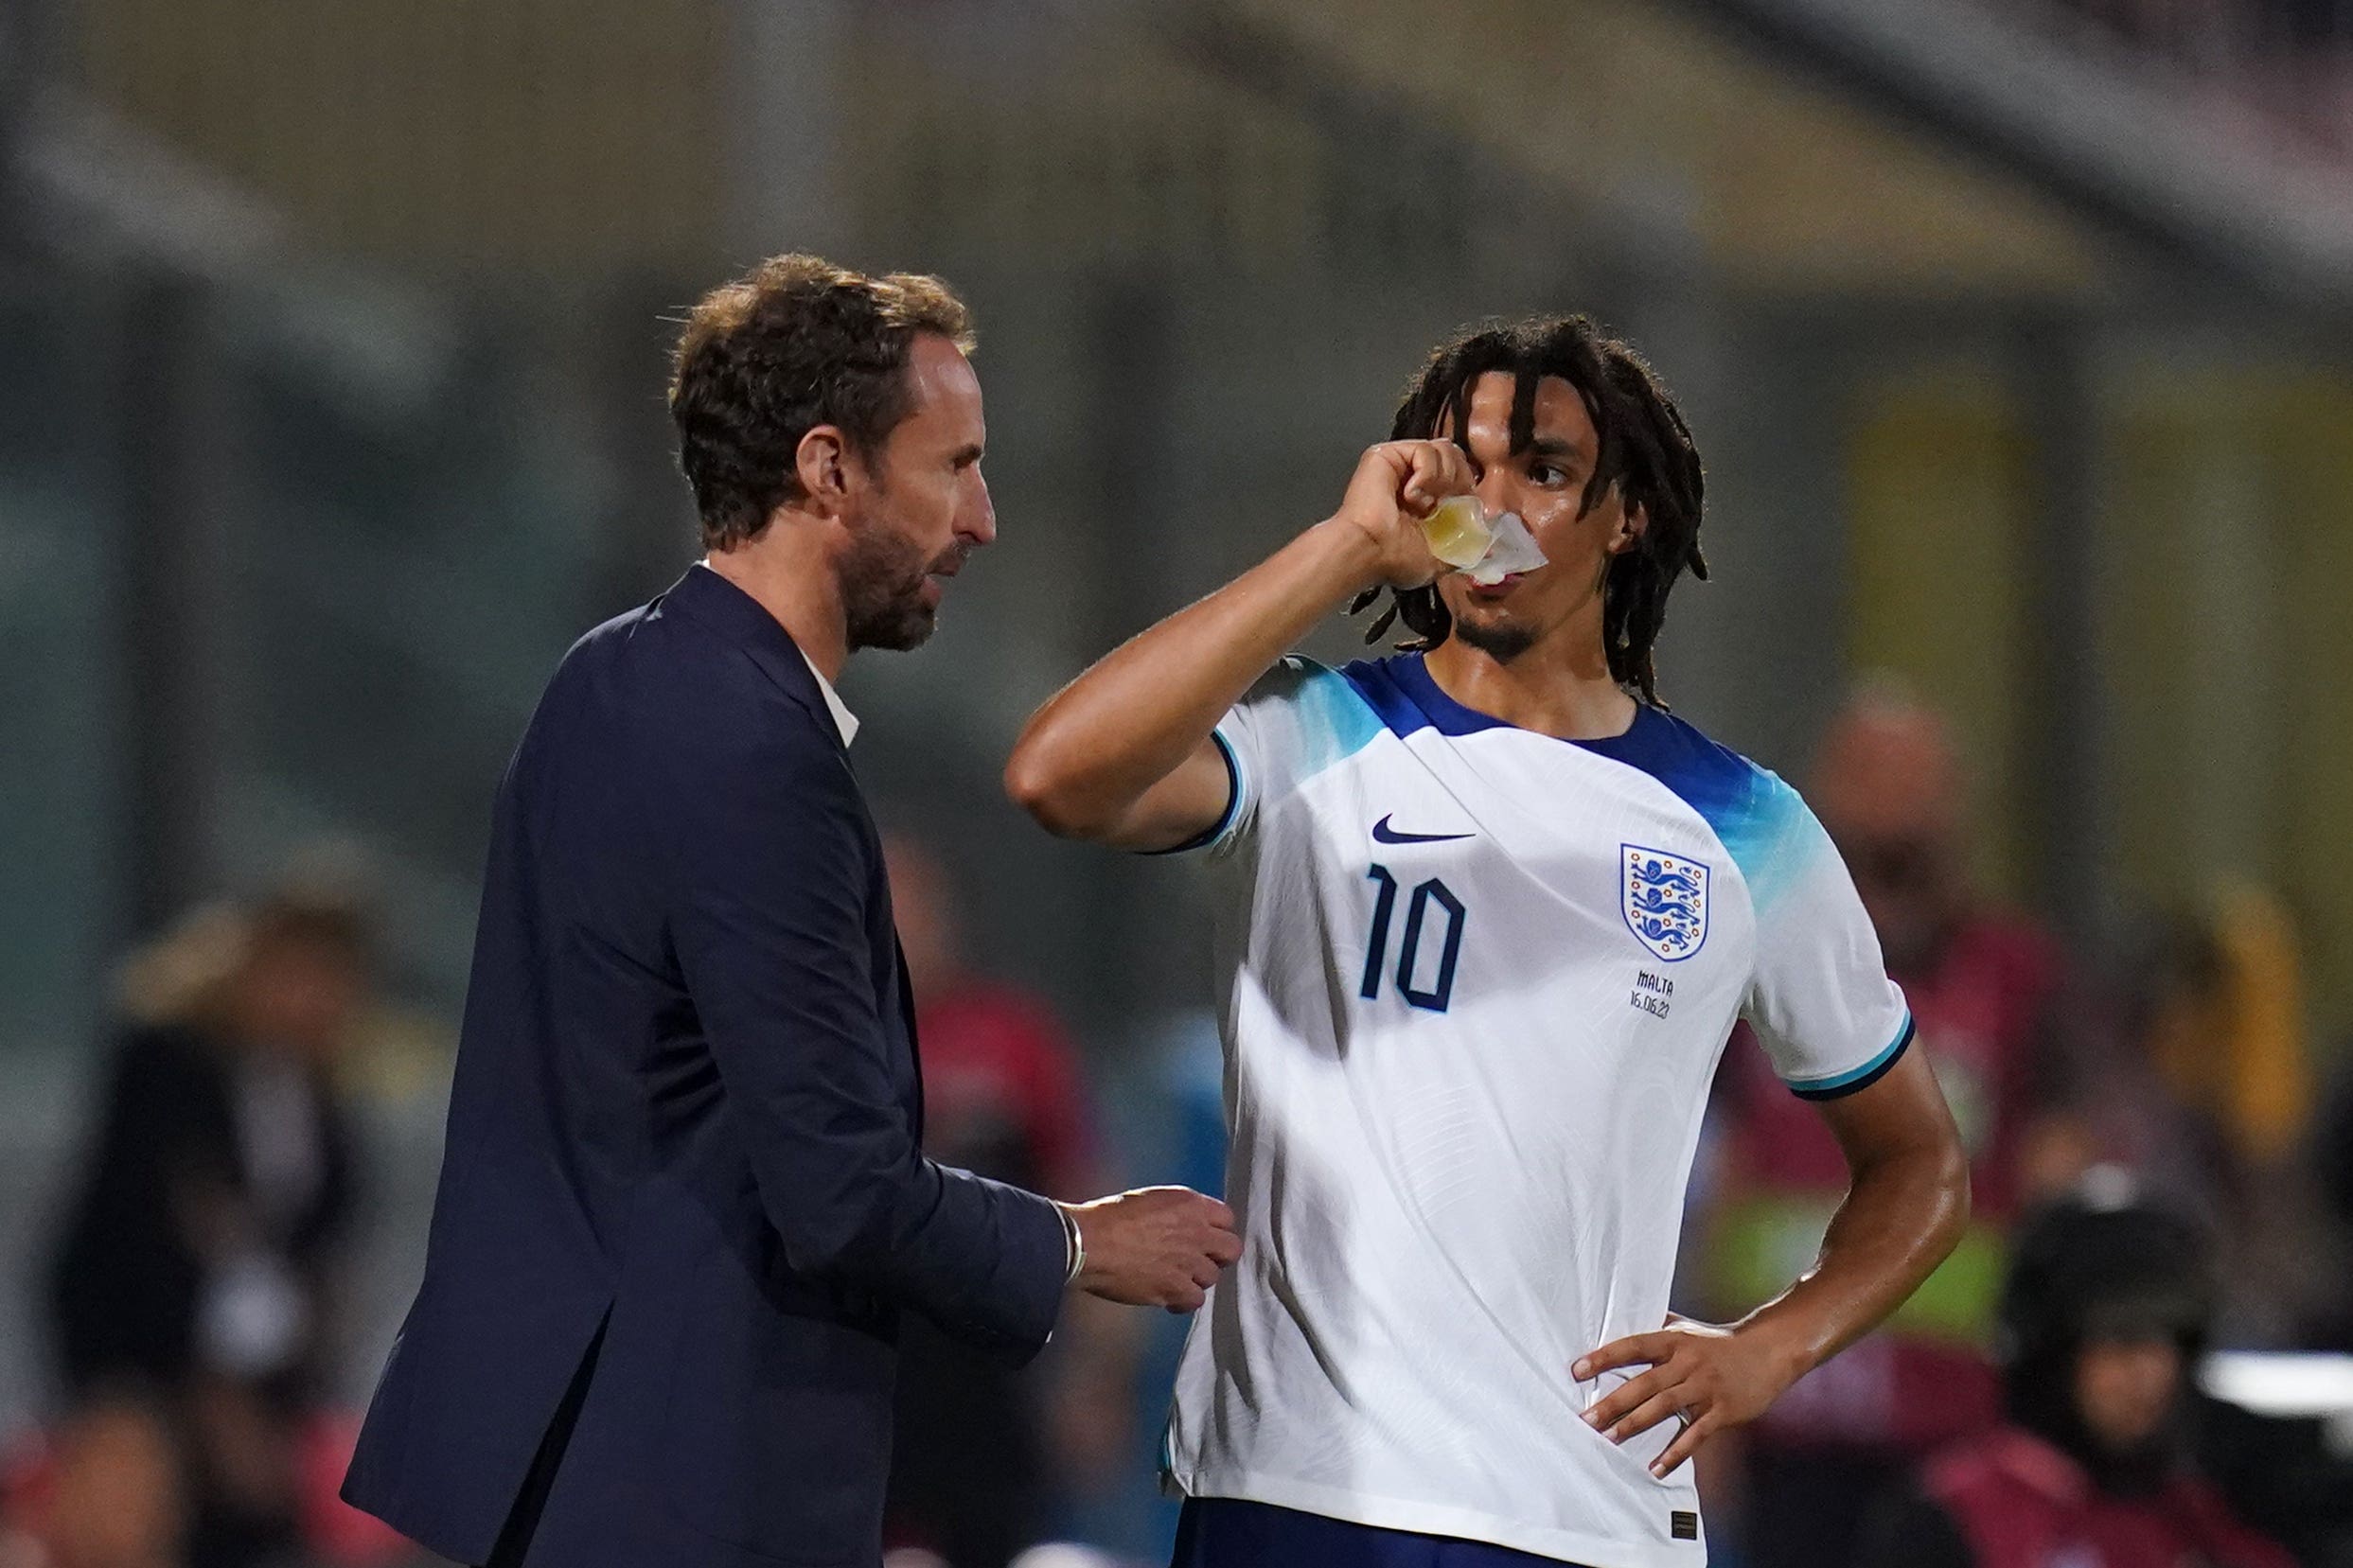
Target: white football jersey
x=1473, y=984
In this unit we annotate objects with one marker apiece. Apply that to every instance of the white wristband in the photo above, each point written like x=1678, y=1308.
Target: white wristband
x=1075, y=1247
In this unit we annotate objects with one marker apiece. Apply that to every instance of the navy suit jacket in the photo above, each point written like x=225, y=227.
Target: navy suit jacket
x=682, y=1199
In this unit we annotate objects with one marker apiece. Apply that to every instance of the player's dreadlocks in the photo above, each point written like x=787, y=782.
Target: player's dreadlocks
x=1646, y=452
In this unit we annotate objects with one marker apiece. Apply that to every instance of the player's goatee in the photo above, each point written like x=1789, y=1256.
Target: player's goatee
x=1502, y=641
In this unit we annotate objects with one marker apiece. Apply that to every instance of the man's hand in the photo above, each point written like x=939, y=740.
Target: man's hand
x=1396, y=485
x=1156, y=1246
x=1709, y=1378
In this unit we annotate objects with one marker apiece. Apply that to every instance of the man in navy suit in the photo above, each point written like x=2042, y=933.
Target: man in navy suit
x=684, y=1199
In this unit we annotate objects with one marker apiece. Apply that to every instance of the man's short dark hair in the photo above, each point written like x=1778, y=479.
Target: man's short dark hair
x=794, y=344
x=1646, y=455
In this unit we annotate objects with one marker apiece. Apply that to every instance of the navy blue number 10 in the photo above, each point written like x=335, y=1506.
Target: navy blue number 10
x=1417, y=911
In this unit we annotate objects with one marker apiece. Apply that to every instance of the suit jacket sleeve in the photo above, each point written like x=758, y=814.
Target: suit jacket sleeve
x=770, y=921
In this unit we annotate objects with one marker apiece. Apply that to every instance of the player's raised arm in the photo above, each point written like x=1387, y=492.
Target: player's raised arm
x=1122, y=754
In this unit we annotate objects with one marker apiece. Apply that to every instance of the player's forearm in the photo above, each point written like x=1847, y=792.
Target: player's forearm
x=1903, y=1214
x=1132, y=719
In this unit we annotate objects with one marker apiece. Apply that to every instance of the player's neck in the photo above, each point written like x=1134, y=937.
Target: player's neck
x=788, y=574
x=1560, y=687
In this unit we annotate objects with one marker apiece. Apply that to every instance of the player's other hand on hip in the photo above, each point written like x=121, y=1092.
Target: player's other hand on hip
x=1396, y=485
x=1156, y=1246
x=1703, y=1376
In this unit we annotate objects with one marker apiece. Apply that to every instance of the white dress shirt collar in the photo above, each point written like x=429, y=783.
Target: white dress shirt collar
x=843, y=720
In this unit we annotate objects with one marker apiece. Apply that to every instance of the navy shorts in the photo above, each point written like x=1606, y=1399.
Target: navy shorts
x=1227, y=1532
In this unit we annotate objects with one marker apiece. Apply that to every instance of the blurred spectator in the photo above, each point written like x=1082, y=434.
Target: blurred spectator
x=2106, y=1310
x=1984, y=988
x=2221, y=1019
x=2332, y=1170
x=2209, y=1096
x=980, y=1452
x=104, y=1492
x=197, y=1259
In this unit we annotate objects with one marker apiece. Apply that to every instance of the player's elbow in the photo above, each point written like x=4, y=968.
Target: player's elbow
x=1053, y=794
x=1950, y=1185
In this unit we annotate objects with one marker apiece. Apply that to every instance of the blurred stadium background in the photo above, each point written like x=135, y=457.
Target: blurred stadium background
x=2017, y=335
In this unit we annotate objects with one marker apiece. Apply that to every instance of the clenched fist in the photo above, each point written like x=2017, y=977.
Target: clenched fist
x=1156, y=1246
x=1396, y=485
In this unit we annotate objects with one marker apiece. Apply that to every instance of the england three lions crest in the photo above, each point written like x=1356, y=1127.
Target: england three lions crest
x=1665, y=901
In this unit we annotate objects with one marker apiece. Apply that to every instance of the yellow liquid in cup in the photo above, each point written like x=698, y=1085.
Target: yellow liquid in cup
x=1457, y=531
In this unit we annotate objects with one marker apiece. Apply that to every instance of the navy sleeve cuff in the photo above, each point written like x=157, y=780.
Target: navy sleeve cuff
x=1037, y=1272
x=1225, y=819
x=1845, y=1083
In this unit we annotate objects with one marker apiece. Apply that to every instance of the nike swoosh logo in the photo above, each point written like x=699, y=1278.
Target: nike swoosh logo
x=1384, y=834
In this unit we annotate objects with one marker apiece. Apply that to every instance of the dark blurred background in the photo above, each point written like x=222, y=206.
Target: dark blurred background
x=2017, y=336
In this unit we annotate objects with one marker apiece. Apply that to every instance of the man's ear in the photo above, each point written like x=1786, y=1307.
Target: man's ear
x=821, y=463
x=1631, y=520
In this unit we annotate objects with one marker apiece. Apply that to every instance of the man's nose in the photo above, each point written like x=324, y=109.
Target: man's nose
x=976, y=521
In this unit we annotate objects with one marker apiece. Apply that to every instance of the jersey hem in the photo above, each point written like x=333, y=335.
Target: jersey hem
x=1389, y=1514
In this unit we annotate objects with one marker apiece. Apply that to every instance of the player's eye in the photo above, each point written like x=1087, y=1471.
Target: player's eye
x=1547, y=474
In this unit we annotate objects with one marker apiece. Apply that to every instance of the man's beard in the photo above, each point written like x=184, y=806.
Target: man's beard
x=1499, y=640
x=882, y=579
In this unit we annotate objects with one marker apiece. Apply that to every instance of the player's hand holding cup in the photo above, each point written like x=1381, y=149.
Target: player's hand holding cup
x=1396, y=485
x=1156, y=1246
